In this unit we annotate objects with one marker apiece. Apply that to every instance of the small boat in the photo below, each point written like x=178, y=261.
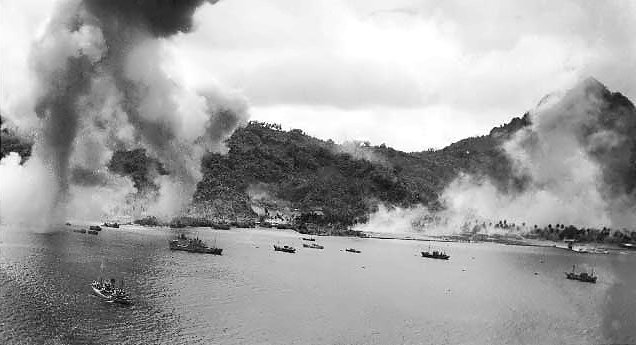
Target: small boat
x=93, y=232
x=352, y=250
x=599, y=251
x=313, y=246
x=308, y=239
x=583, y=276
x=193, y=245
x=111, y=225
x=81, y=231
x=95, y=228
x=220, y=226
x=286, y=249
x=435, y=254
x=581, y=250
x=109, y=292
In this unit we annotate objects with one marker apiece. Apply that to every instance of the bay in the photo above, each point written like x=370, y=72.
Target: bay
x=485, y=294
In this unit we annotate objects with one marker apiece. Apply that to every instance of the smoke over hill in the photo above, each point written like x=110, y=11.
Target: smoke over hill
x=578, y=158
x=570, y=160
x=103, y=85
x=573, y=161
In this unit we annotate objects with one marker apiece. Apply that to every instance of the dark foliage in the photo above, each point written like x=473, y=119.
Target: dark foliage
x=138, y=166
x=10, y=142
x=310, y=173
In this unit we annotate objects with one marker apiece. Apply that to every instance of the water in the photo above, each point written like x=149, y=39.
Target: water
x=485, y=294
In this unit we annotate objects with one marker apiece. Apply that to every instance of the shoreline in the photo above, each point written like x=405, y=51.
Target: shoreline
x=456, y=238
x=579, y=248
x=516, y=242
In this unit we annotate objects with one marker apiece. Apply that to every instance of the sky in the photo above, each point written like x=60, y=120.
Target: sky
x=410, y=74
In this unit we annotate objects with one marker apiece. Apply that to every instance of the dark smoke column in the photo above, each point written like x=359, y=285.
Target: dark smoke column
x=99, y=71
x=158, y=18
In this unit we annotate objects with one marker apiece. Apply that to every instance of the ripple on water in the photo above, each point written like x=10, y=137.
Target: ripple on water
x=251, y=295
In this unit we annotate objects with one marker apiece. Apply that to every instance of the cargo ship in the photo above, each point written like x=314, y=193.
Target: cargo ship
x=286, y=249
x=193, y=245
x=583, y=276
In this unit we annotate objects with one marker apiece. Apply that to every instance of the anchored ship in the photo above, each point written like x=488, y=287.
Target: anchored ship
x=583, y=276
x=286, y=249
x=108, y=291
x=313, y=246
x=193, y=245
x=435, y=254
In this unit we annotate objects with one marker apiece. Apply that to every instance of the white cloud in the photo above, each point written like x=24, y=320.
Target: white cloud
x=19, y=25
x=481, y=61
x=414, y=129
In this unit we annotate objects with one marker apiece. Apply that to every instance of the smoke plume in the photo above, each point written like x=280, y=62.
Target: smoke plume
x=103, y=84
x=361, y=151
x=578, y=158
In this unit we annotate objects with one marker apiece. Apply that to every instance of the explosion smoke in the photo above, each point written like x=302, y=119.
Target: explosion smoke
x=102, y=86
x=578, y=157
x=361, y=151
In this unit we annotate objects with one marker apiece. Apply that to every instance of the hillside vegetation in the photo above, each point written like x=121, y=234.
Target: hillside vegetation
x=269, y=172
x=297, y=172
x=305, y=173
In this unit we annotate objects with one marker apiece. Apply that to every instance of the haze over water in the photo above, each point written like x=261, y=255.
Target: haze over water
x=486, y=293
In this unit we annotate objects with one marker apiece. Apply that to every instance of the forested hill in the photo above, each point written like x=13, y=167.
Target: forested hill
x=290, y=173
x=288, y=169
x=270, y=168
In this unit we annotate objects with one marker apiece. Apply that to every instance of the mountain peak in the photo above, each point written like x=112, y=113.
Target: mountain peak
x=591, y=86
x=592, y=82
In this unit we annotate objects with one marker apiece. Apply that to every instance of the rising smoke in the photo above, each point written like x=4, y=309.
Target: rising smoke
x=578, y=157
x=103, y=85
x=361, y=151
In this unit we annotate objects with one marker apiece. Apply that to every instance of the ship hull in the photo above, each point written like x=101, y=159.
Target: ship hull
x=438, y=257
x=99, y=293
x=110, y=298
x=213, y=251
x=285, y=250
x=574, y=276
x=313, y=246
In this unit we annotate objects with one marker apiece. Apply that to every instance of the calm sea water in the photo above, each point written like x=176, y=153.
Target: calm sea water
x=486, y=293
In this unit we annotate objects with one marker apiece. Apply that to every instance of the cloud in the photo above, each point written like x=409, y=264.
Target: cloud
x=575, y=157
x=478, y=58
x=20, y=21
x=483, y=59
x=99, y=79
x=415, y=129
